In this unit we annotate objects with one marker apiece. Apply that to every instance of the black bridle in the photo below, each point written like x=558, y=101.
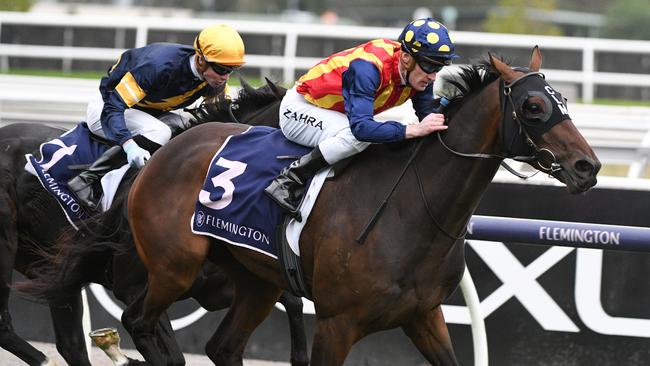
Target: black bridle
x=508, y=105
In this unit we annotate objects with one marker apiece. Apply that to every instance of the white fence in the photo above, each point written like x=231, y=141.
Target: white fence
x=289, y=61
x=619, y=135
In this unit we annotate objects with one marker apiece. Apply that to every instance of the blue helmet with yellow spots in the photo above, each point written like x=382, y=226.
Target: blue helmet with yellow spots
x=429, y=38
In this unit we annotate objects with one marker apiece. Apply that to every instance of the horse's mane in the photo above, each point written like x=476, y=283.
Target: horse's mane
x=248, y=101
x=458, y=83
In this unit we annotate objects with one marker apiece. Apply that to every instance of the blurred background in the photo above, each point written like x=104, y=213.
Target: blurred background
x=590, y=18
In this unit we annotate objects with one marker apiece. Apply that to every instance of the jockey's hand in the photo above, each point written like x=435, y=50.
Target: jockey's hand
x=429, y=124
x=136, y=155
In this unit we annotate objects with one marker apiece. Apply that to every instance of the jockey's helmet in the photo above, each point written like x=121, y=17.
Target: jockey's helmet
x=220, y=44
x=428, y=39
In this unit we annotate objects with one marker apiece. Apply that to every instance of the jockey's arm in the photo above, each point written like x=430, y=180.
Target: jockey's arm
x=360, y=83
x=128, y=92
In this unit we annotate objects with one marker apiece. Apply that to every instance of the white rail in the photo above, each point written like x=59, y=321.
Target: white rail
x=619, y=135
x=289, y=61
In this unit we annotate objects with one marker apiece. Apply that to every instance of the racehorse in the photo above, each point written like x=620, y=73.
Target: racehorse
x=23, y=203
x=407, y=263
x=105, y=258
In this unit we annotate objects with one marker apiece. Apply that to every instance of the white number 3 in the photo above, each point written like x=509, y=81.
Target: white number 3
x=223, y=180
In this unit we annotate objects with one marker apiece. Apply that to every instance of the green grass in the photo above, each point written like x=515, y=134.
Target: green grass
x=53, y=73
x=256, y=82
x=625, y=103
x=253, y=81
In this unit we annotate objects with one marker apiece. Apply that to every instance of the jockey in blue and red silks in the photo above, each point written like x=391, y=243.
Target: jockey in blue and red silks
x=332, y=106
x=141, y=94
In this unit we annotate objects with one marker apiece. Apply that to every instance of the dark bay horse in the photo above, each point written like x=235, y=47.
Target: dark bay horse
x=25, y=222
x=411, y=259
x=32, y=221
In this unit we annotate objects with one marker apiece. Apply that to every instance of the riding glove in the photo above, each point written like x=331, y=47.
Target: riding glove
x=136, y=155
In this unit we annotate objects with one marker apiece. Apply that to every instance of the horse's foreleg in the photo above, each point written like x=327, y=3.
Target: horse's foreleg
x=68, y=331
x=333, y=340
x=293, y=306
x=167, y=341
x=161, y=292
x=430, y=335
x=9, y=340
x=254, y=298
x=127, y=285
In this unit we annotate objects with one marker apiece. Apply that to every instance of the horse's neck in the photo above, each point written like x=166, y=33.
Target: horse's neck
x=473, y=129
x=268, y=115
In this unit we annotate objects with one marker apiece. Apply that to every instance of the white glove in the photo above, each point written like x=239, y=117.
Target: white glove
x=136, y=155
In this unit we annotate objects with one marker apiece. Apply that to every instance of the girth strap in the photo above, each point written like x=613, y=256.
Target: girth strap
x=290, y=265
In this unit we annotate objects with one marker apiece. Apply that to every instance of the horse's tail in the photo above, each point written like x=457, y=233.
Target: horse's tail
x=80, y=257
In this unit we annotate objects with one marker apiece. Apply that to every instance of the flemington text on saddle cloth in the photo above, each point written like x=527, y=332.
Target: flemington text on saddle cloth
x=232, y=205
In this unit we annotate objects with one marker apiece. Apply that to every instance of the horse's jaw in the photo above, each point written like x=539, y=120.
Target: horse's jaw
x=578, y=164
x=575, y=183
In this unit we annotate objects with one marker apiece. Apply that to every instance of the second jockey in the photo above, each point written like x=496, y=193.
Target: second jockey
x=332, y=106
x=144, y=88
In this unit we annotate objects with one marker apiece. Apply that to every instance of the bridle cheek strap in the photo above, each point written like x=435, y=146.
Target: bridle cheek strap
x=508, y=105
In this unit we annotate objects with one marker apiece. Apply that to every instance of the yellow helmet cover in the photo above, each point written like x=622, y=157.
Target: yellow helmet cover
x=220, y=44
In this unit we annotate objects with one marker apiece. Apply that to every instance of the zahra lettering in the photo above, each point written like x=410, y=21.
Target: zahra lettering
x=303, y=118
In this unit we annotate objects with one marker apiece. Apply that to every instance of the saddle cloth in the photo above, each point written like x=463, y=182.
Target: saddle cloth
x=232, y=205
x=74, y=147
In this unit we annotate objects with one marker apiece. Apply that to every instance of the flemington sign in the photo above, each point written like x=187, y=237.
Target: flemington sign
x=588, y=276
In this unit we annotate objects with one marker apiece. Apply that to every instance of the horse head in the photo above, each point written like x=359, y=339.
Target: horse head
x=537, y=128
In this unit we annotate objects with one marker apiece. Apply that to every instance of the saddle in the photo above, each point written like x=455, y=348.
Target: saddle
x=62, y=159
x=232, y=206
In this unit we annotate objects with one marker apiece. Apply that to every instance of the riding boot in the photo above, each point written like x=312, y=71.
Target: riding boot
x=287, y=189
x=83, y=185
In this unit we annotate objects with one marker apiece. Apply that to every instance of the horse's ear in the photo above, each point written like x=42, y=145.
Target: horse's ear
x=245, y=85
x=278, y=91
x=536, y=59
x=506, y=72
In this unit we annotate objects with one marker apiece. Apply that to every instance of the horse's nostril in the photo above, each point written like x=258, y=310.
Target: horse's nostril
x=587, y=167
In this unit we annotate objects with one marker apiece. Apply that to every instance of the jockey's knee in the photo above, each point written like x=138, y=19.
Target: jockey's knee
x=161, y=135
x=336, y=148
x=153, y=140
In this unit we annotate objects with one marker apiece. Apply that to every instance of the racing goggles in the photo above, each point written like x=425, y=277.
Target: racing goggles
x=222, y=69
x=429, y=65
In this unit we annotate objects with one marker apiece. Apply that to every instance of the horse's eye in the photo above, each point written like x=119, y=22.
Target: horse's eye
x=533, y=107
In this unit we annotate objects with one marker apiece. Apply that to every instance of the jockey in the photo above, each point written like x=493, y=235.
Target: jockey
x=134, y=105
x=332, y=106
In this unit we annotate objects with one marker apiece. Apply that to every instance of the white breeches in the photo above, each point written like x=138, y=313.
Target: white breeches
x=309, y=125
x=137, y=121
